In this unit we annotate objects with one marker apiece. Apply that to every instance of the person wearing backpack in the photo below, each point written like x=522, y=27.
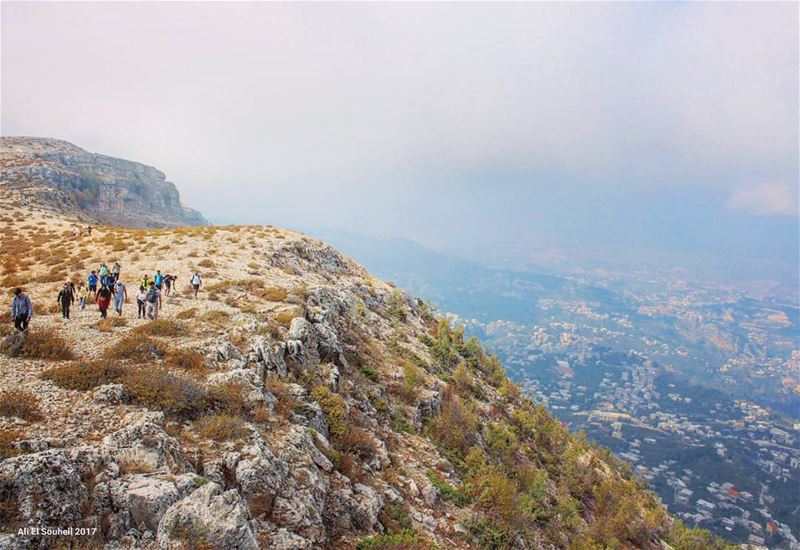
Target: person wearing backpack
x=103, y=301
x=92, y=280
x=141, y=300
x=66, y=298
x=196, y=282
x=104, y=275
x=153, y=301
x=120, y=296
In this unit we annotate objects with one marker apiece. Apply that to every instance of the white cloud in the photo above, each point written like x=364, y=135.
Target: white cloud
x=765, y=199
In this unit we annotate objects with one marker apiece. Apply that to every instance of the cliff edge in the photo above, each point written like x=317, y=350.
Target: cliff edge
x=56, y=174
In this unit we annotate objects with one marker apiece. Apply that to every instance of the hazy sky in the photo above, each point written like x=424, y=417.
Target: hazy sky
x=521, y=130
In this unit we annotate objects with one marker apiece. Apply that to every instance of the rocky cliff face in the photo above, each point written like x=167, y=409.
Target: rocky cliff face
x=108, y=190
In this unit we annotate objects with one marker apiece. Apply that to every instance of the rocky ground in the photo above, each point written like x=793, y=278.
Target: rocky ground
x=321, y=408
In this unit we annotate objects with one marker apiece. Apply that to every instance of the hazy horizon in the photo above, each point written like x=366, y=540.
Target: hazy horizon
x=520, y=134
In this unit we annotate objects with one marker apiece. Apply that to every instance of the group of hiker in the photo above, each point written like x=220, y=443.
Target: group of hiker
x=106, y=287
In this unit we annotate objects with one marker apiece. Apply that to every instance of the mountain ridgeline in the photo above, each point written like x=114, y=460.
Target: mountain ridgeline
x=296, y=403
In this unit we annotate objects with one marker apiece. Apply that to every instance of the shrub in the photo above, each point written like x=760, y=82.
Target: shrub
x=397, y=306
x=406, y=540
x=159, y=389
x=187, y=313
x=456, y=427
x=370, y=373
x=161, y=327
x=274, y=294
x=109, y=323
x=136, y=348
x=447, y=491
x=359, y=443
x=286, y=403
x=217, y=316
x=84, y=376
x=395, y=518
x=333, y=406
x=13, y=281
x=284, y=318
x=221, y=427
x=206, y=263
x=38, y=344
x=20, y=403
x=186, y=359
x=228, y=397
x=7, y=440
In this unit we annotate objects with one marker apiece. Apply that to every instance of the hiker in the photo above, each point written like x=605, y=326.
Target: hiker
x=83, y=295
x=141, y=298
x=120, y=296
x=196, y=282
x=21, y=310
x=103, y=301
x=66, y=298
x=115, y=270
x=92, y=280
x=158, y=279
x=153, y=301
x=104, y=275
x=145, y=282
x=89, y=230
x=167, y=284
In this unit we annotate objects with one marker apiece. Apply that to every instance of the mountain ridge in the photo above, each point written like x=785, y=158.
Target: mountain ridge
x=105, y=189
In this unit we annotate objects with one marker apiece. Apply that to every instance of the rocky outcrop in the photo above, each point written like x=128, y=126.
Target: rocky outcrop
x=105, y=189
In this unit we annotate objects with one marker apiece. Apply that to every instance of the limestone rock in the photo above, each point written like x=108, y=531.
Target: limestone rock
x=208, y=516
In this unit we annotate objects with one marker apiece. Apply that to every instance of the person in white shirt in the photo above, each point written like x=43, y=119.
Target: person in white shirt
x=196, y=282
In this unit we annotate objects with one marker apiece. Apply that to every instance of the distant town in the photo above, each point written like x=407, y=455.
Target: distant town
x=717, y=459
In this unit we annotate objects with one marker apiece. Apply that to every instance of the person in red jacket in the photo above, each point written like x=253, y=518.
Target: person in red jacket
x=103, y=301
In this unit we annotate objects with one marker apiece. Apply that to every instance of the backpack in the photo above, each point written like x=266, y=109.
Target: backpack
x=152, y=296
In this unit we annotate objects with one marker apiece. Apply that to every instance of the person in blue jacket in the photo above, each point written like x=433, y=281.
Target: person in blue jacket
x=92, y=283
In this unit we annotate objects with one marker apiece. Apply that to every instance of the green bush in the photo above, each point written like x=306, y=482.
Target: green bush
x=333, y=406
x=405, y=539
x=447, y=491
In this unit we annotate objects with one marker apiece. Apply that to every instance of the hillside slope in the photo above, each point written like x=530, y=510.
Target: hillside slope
x=56, y=174
x=297, y=403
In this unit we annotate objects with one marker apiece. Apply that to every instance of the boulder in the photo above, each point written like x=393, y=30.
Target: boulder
x=45, y=487
x=110, y=394
x=208, y=516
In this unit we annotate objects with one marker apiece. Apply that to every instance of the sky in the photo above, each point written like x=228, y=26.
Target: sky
x=510, y=133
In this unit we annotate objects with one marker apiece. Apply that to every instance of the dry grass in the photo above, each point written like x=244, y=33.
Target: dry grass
x=7, y=440
x=162, y=327
x=285, y=401
x=186, y=359
x=187, y=313
x=20, y=403
x=284, y=318
x=221, y=427
x=110, y=323
x=274, y=294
